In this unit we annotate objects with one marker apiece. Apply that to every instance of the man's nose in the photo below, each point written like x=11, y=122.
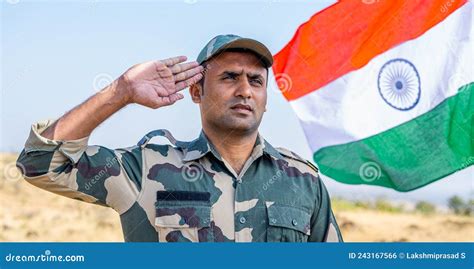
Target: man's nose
x=244, y=90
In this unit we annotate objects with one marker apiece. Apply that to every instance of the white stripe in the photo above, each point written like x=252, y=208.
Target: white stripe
x=351, y=107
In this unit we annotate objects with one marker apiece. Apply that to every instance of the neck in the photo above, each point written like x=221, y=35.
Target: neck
x=233, y=146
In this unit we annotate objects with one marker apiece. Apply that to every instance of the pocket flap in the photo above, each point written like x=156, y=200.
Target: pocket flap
x=288, y=217
x=182, y=213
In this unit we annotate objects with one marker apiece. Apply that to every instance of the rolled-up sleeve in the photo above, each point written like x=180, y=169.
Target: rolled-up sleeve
x=71, y=149
x=72, y=168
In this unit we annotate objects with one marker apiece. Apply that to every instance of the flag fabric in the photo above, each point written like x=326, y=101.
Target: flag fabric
x=384, y=90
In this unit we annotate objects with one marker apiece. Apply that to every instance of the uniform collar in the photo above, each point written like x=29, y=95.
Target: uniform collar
x=199, y=147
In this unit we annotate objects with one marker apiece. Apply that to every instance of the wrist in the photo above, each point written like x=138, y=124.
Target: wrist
x=119, y=92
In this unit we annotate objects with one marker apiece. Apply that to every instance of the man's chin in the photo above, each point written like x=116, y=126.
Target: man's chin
x=241, y=126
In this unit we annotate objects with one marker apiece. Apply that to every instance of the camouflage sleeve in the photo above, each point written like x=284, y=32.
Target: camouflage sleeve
x=324, y=227
x=73, y=169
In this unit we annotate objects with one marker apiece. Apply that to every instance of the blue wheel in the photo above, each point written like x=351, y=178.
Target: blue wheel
x=399, y=84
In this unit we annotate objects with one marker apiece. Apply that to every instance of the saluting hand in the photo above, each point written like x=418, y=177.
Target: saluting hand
x=157, y=83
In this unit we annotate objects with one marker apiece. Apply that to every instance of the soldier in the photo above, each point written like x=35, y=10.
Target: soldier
x=229, y=184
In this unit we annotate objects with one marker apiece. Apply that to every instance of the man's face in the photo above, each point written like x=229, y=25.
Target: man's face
x=234, y=95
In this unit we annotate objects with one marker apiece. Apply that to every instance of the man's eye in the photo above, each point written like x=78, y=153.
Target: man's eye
x=256, y=81
x=229, y=77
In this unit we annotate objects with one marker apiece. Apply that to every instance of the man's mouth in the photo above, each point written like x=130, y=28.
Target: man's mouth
x=243, y=108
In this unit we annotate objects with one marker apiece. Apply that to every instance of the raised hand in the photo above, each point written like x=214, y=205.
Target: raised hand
x=157, y=83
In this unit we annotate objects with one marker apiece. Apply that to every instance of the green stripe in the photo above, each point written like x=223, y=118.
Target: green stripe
x=411, y=155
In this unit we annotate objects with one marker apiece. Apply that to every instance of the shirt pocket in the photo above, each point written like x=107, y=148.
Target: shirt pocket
x=181, y=214
x=287, y=223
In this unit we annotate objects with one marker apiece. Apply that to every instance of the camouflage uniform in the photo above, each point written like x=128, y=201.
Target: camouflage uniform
x=186, y=192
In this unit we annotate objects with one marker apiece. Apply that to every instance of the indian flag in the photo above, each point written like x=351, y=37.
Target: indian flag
x=384, y=90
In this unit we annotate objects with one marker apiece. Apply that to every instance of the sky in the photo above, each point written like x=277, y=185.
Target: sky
x=54, y=55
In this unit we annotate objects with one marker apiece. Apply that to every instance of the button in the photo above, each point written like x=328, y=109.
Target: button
x=242, y=220
x=273, y=221
x=294, y=222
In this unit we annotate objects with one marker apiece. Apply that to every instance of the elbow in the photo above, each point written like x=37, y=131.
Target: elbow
x=35, y=163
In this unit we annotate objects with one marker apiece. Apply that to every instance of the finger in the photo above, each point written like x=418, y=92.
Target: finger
x=176, y=96
x=171, y=99
x=188, y=74
x=190, y=81
x=178, y=68
x=174, y=60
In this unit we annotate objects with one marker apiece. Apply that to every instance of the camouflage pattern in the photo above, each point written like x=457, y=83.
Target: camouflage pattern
x=186, y=192
x=225, y=42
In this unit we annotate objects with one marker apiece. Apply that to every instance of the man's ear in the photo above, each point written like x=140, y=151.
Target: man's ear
x=195, y=92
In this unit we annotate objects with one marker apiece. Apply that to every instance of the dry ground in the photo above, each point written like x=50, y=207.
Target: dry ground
x=31, y=214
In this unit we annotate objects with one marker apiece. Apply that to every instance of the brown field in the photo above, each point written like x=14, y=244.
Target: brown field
x=31, y=214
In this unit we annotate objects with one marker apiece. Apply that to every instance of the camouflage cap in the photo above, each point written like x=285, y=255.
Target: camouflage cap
x=225, y=42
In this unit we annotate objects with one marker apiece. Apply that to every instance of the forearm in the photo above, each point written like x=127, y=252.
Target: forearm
x=83, y=119
x=152, y=84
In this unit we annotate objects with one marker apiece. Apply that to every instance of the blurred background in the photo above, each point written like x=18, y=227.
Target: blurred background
x=54, y=55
